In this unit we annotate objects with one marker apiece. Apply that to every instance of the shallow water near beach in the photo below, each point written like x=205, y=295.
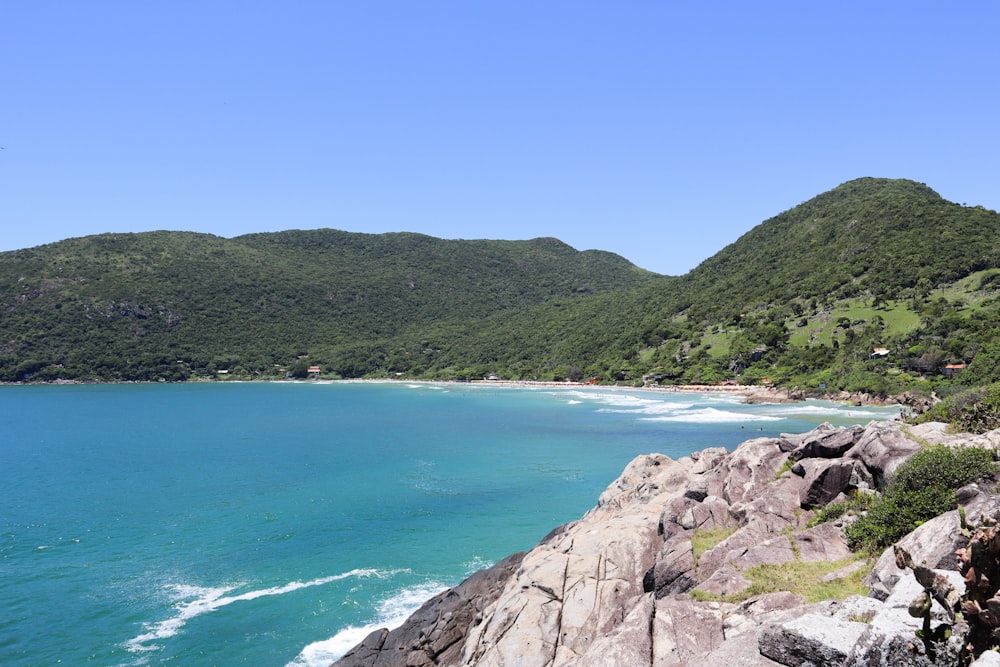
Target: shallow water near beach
x=277, y=524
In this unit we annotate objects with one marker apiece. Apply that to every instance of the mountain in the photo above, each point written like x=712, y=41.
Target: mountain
x=872, y=234
x=169, y=304
x=876, y=285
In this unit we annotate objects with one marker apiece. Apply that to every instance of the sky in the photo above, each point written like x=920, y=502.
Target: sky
x=661, y=131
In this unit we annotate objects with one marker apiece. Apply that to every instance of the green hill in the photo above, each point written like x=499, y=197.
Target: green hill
x=806, y=296
x=804, y=299
x=171, y=304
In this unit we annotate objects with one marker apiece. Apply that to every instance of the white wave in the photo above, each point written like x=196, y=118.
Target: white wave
x=193, y=601
x=821, y=410
x=712, y=416
x=573, y=402
x=477, y=563
x=390, y=614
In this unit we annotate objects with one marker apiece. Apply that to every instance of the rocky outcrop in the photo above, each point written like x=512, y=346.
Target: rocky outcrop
x=433, y=635
x=642, y=578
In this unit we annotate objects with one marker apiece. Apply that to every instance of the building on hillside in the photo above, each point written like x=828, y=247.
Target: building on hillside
x=314, y=370
x=952, y=370
x=879, y=353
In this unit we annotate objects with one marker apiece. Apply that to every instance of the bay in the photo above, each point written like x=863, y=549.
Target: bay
x=278, y=523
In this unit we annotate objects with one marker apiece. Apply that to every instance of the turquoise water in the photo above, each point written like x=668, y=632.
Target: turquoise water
x=276, y=524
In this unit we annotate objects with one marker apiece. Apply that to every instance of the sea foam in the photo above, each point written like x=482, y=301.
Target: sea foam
x=390, y=614
x=193, y=601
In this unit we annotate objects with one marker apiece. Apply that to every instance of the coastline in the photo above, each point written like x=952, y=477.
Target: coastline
x=749, y=393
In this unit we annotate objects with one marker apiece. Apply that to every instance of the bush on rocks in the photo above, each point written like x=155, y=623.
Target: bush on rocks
x=921, y=489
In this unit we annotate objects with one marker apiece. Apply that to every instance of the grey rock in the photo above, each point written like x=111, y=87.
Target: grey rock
x=882, y=448
x=433, y=634
x=630, y=643
x=697, y=490
x=725, y=580
x=891, y=634
x=987, y=659
x=707, y=459
x=812, y=639
x=933, y=544
x=824, y=480
x=826, y=442
x=824, y=542
x=737, y=651
x=683, y=629
x=674, y=569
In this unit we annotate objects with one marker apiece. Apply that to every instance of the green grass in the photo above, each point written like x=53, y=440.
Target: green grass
x=705, y=539
x=898, y=318
x=801, y=578
x=717, y=344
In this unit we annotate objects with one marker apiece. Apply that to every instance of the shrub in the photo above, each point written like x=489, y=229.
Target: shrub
x=921, y=489
x=974, y=410
x=857, y=504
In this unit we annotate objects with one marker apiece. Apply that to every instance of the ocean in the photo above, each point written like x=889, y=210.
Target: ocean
x=279, y=523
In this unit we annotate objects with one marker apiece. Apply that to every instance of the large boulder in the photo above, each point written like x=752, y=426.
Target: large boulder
x=673, y=571
x=936, y=433
x=825, y=479
x=882, y=448
x=751, y=467
x=825, y=441
x=811, y=639
x=934, y=543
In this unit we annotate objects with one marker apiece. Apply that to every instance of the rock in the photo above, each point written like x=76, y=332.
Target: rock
x=711, y=513
x=707, y=459
x=826, y=441
x=697, y=490
x=891, y=634
x=644, y=477
x=934, y=543
x=812, y=639
x=824, y=542
x=630, y=643
x=774, y=511
x=683, y=629
x=580, y=585
x=611, y=588
x=749, y=468
x=882, y=448
x=688, y=514
x=936, y=433
x=824, y=480
x=434, y=633
x=725, y=580
x=674, y=569
x=738, y=651
x=987, y=659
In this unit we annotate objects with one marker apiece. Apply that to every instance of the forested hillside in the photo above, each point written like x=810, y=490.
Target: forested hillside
x=808, y=296
x=877, y=285
x=171, y=304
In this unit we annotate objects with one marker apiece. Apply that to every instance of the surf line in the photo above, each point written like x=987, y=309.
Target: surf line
x=193, y=601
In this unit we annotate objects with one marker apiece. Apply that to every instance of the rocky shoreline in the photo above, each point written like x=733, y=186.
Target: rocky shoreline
x=635, y=582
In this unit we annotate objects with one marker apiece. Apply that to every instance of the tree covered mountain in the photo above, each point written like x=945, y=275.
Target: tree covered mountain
x=878, y=284
x=171, y=304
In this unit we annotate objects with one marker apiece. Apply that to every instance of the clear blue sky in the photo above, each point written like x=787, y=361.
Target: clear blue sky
x=661, y=131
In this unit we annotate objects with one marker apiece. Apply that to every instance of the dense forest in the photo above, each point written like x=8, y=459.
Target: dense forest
x=878, y=285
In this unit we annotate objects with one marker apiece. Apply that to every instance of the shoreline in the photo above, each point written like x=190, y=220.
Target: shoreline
x=749, y=393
